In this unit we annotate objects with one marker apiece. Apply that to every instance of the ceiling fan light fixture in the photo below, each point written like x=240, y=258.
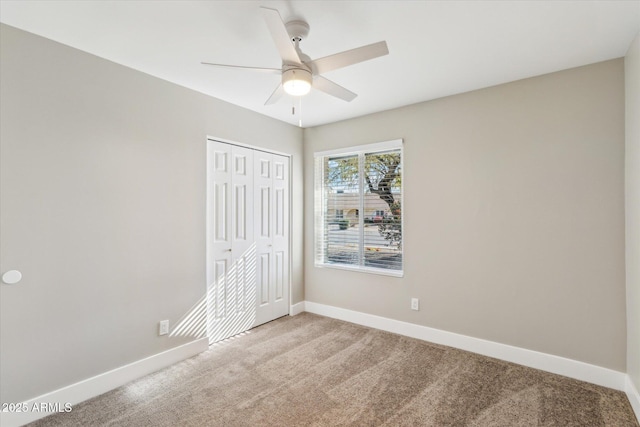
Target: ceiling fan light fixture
x=296, y=82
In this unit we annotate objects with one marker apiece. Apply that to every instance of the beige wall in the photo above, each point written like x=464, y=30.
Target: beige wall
x=514, y=215
x=103, y=209
x=514, y=212
x=632, y=198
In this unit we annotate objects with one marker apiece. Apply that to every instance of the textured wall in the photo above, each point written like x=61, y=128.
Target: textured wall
x=514, y=215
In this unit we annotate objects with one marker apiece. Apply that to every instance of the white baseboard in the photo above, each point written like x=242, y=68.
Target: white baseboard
x=534, y=359
x=91, y=387
x=634, y=397
x=296, y=308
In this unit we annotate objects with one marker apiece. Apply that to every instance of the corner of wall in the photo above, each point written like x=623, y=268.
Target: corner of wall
x=632, y=213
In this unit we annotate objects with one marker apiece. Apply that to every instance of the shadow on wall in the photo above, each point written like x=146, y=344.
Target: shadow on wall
x=229, y=306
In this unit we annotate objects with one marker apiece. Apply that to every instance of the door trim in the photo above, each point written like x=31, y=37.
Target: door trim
x=252, y=147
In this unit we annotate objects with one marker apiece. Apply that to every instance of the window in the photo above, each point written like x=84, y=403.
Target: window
x=365, y=179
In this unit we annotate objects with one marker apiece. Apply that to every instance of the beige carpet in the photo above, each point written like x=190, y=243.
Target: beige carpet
x=310, y=370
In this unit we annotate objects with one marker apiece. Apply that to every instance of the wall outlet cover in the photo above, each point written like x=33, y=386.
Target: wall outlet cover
x=163, y=327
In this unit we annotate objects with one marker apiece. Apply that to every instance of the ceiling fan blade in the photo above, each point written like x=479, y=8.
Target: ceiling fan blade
x=349, y=57
x=280, y=35
x=276, y=95
x=333, y=89
x=267, y=70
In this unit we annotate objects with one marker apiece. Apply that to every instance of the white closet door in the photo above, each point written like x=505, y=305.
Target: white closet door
x=247, y=238
x=280, y=292
x=271, y=235
x=263, y=208
x=230, y=242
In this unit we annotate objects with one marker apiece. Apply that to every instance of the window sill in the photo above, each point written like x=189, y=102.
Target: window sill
x=359, y=269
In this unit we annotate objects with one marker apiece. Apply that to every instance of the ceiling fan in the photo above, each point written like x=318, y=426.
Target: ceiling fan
x=299, y=72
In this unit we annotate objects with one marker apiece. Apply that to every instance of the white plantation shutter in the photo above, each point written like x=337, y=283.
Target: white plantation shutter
x=358, y=208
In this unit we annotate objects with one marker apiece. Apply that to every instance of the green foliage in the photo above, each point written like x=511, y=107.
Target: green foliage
x=391, y=226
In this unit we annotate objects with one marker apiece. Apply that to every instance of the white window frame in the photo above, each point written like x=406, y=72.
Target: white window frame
x=320, y=205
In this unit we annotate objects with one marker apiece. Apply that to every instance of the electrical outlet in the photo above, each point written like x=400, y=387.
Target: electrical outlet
x=163, y=327
x=415, y=304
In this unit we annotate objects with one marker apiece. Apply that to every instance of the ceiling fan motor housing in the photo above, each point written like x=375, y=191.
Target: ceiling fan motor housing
x=297, y=29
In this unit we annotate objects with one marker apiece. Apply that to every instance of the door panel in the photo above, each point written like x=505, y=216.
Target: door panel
x=263, y=279
x=230, y=269
x=218, y=303
x=219, y=241
x=279, y=212
x=263, y=182
x=265, y=212
x=221, y=207
x=280, y=240
x=279, y=276
x=247, y=238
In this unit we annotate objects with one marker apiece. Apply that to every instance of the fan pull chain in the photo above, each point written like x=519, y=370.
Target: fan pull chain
x=293, y=110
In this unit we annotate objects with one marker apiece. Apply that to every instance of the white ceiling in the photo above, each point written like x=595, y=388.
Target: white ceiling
x=437, y=48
